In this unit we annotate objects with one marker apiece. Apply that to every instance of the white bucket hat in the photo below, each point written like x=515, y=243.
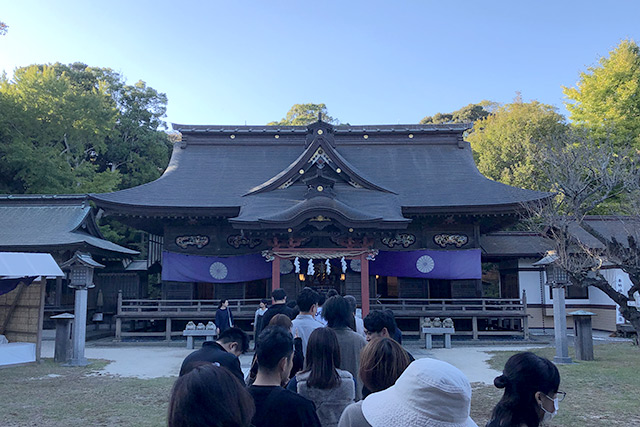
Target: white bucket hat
x=428, y=393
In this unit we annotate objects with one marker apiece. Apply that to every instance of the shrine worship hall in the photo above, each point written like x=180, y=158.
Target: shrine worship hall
x=391, y=214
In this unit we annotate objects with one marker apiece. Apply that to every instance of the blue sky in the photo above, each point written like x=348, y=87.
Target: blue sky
x=371, y=62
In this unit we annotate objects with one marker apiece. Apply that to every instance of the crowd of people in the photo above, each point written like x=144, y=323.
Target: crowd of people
x=338, y=371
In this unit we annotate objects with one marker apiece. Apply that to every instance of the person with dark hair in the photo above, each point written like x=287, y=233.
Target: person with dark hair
x=331, y=389
x=378, y=324
x=397, y=333
x=209, y=395
x=332, y=293
x=382, y=362
x=305, y=322
x=429, y=392
x=338, y=315
x=224, y=318
x=278, y=306
x=258, y=326
x=276, y=406
x=531, y=393
x=283, y=321
x=357, y=324
x=230, y=344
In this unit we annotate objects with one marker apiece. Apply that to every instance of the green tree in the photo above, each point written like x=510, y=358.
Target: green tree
x=467, y=114
x=50, y=131
x=506, y=143
x=304, y=114
x=606, y=99
x=75, y=129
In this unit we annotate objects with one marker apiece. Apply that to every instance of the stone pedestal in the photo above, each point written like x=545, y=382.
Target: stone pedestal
x=584, y=334
x=560, y=326
x=63, y=344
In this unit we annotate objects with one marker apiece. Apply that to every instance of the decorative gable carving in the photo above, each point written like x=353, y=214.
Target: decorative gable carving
x=319, y=155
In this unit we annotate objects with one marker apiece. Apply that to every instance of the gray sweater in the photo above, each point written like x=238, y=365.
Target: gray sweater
x=329, y=402
x=351, y=344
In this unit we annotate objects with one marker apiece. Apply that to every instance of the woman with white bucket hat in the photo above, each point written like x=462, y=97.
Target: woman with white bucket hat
x=430, y=393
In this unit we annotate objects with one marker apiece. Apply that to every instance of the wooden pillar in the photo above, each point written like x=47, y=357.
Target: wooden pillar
x=364, y=284
x=167, y=332
x=474, y=327
x=275, y=273
x=43, y=288
x=58, y=299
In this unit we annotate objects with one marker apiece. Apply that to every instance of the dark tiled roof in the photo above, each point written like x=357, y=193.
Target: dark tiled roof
x=507, y=243
x=429, y=167
x=353, y=207
x=514, y=244
x=44, y=221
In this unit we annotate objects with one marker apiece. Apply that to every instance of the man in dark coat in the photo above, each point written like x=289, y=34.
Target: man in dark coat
x=230, y=344
x=279, y=306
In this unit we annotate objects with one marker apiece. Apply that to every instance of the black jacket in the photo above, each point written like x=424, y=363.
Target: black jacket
x=211, y=351
x=276, y=309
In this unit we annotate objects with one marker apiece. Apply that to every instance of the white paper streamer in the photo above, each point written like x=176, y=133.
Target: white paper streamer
x=296, y=262
x=310, y=270
x=328, y=264
x=344, y=265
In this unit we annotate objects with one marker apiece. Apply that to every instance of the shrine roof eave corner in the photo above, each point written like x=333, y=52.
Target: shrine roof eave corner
x=162, y=211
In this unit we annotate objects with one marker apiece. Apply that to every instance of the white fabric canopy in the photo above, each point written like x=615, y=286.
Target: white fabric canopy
x=20, y=264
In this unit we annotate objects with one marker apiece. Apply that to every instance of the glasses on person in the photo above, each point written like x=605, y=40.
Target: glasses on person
x=560, y=395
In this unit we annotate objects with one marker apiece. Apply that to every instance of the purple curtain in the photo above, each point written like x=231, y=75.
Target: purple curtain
x=452, y=265
x=196, y=268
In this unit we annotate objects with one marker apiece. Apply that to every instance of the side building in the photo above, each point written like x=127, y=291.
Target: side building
x=61, y=225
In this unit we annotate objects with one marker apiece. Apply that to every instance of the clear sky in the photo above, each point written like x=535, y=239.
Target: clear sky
x=371, y=62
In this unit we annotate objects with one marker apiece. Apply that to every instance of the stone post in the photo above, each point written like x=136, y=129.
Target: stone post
x=63, y=346
x=80, y=328
x=560, y=326
x=584, y=334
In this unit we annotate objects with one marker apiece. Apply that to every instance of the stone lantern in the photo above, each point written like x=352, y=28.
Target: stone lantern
x=558, y=279
x=80, y=267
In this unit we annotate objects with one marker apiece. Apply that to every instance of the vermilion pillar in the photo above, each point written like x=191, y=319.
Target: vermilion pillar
x=275, y=273
x=364, y=284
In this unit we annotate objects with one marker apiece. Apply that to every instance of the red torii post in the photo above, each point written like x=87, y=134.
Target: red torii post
x=364, y=283
x=275, y=272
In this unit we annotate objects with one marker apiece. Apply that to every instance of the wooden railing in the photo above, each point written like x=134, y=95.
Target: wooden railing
x=448, y=304
x=474, y=308
x=150, y=306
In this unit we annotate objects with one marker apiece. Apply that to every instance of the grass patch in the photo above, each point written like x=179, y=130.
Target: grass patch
x=600, y=392
x=48, y=394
